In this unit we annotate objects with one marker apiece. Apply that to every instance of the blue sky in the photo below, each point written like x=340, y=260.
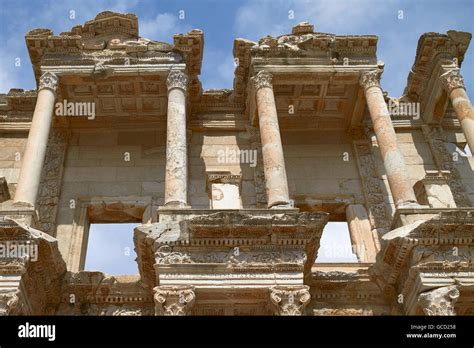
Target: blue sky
x=222, y=21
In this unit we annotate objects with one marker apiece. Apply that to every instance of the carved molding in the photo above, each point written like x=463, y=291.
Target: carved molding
x=370, y=79
x=177, y=79
x=50, y=81
x=262, y=79
x=289, y=300
x=173, y=300
x=451, y=80
x=440, y=301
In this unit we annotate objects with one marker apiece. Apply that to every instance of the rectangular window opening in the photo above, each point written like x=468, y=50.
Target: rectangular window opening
x=110, y=249
x=335, y=245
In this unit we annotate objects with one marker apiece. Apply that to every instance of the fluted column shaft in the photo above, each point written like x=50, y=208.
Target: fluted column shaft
x=454, y=86
x=176, y=178
x=397, y=173
x=35, y=151
x=272, y=149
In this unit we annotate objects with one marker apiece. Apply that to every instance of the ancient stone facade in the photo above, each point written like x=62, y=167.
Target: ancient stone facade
x=233, y=188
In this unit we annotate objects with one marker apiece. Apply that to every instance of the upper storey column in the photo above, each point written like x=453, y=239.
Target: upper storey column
x=453, y=83
x=176, y=178
x=394, y=163
x=35, y=151
x=272, y=149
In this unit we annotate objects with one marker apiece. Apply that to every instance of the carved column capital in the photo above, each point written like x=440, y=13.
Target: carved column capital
x=262, y=79
x=289, y=300
x=8, y=303
x=370, y=79
x=451, y=80
x=173, y=300
x=177, y=79
x=439, y=301
x=50, y=81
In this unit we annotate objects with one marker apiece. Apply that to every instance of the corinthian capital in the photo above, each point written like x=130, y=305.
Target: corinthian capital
x=439, y=301
x=452, y=79
x=177, y=79
x=49, y=80
x=370, y=79
x=262, y=79
x=289, y=300
x=173, y=300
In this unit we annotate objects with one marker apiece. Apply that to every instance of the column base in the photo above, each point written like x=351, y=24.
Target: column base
x=175, y=205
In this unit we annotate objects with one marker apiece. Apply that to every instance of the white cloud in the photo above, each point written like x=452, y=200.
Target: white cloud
x=162, y=27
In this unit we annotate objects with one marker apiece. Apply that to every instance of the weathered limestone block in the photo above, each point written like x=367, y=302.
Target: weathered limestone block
x=290, y=300
x=433, y=190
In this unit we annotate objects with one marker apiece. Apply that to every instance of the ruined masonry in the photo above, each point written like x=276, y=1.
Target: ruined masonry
x=233, y=234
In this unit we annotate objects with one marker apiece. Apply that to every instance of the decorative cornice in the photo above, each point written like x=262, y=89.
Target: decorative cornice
x=177, y=79
x=50, y=81
x=451, y=80
x=370, y=79
x=262, y=79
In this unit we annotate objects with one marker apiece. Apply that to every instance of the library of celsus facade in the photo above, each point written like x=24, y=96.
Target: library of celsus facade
x=232, y=190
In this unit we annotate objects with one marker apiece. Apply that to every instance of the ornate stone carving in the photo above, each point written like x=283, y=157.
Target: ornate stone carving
x=262, y=79
x=174, y=300
x=9, y=302
x=372, y=185
x=440, y=301
x=289, y=300
x=177, y=79
x=258, y=174
x=451, y=80
x=370, y=78
x=49, y=80
x=50, y=186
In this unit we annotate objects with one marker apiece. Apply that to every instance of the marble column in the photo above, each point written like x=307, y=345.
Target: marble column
x=176, y=178
x=397, y=173
x=35, y=151
x=272, y=150
x=454, y=85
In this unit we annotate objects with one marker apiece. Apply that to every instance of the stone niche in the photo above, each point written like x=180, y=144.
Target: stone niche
x=433, y=190
x=224, y=190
